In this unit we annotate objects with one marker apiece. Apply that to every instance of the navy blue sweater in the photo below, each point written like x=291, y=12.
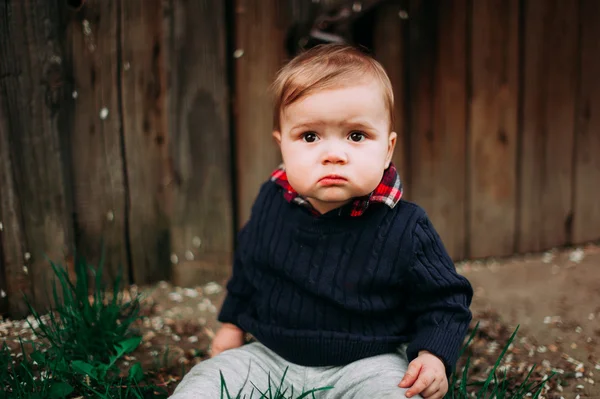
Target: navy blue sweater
x=333, y=289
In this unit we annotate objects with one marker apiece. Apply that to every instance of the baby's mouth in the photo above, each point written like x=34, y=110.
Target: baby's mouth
x=332, y=180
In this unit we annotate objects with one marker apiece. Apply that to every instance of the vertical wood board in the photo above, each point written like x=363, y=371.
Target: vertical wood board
x=549, y=85
x=438, y=117
x=492, y=150
x=97, y=161
x=259, y=44
x=586, y=221
x=146, y=138
x=15, y=283
x=36, y=201
x=390, y=50
x=198, y=98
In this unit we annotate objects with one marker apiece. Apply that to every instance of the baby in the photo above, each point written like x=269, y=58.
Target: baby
x=342, y=283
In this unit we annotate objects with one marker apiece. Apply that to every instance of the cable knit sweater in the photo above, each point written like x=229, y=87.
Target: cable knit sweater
x=333, y=289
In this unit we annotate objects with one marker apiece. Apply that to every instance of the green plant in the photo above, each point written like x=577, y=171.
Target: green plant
x=278, y=392
x=40, y=376
x=19, y=380
x=102, y=379
x=82, y=341
x=87, y=327
x=492, y=387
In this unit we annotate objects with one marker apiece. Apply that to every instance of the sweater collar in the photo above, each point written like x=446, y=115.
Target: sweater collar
x=389, y=192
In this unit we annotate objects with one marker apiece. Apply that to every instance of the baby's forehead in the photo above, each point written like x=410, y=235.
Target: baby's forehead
x=341, y=79
x=366, y=84
x=365, y=92
x=356, y=109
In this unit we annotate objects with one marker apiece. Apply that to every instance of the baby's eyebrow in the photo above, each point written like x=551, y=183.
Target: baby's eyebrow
x=359, y=124
x=304, y=127
x=345, y=123
x=308, y=125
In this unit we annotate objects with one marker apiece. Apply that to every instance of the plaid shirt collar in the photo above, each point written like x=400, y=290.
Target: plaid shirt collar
x=389, y=192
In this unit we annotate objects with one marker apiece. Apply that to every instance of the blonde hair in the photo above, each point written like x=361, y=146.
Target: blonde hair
x=324, y=67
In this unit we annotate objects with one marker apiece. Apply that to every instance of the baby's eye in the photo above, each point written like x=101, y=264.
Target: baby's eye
x=309, y=137
x=357, y=136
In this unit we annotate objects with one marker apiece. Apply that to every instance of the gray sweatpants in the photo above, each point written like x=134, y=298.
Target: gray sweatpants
x=248, y=369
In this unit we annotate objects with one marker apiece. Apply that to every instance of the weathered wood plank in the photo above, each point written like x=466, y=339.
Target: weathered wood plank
x=146, y=138
x=549, y=85
x=260, y=31
x=438, y=91
x=390, y=50
x=586, y=218
x=97, y=171
x=14, y=282
x=3, y=284
x=493, y=127
x=202, y=222
x=35, y=204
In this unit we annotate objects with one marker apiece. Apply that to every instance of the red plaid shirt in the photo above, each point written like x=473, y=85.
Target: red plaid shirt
x=389, y=192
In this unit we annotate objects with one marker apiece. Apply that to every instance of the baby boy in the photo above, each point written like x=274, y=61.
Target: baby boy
x=342, y=283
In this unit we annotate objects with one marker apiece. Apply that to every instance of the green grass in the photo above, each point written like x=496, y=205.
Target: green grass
x=86, y=336
x=272, y=391
x=88, y=329
x=81, y=343
x=494, y=386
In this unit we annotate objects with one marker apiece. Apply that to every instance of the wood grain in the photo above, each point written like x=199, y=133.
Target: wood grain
x=35, y=200
x=146, y=138
x=198, y=98
x=14, y=282
x=586, y=220
x=438, y=98
x=260, y=29
x=493, y=112
x=549, y=84
x=390, y=50
x=100, y=191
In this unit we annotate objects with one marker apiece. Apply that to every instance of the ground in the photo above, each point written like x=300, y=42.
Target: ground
x=554, y=298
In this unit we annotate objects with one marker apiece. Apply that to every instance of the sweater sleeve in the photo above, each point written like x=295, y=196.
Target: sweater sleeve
x=439, y=299
x=239, y=288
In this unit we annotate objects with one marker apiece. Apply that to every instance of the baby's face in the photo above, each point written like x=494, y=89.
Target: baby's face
x=336, y=144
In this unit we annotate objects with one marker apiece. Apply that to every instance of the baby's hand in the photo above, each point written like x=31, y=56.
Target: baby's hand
x=430, y=375
x=229, y=336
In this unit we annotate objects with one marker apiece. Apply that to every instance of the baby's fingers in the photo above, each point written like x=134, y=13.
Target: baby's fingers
x=424, y=381
x=411, y=375
x=431, y=391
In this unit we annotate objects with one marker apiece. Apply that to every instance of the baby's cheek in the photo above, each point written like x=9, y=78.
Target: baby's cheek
x=299, y=181
x=368, y=180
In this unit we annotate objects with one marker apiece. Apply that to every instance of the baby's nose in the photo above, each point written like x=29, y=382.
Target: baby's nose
x=335, y=155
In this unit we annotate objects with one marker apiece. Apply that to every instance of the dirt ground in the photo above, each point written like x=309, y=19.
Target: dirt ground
x=554, y=298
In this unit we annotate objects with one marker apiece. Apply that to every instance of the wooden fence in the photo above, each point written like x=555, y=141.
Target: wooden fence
x=144, y=126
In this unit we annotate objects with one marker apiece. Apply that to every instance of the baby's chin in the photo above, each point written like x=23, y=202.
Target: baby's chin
x=336, y=194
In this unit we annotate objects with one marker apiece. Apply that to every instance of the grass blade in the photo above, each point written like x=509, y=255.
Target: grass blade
x=493, y=371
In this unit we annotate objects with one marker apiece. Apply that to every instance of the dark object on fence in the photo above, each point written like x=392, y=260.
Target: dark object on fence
x=75, y=4
x=328, y=24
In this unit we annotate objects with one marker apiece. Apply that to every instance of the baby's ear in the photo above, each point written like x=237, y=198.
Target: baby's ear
x=391, y=145
x=277, y=136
